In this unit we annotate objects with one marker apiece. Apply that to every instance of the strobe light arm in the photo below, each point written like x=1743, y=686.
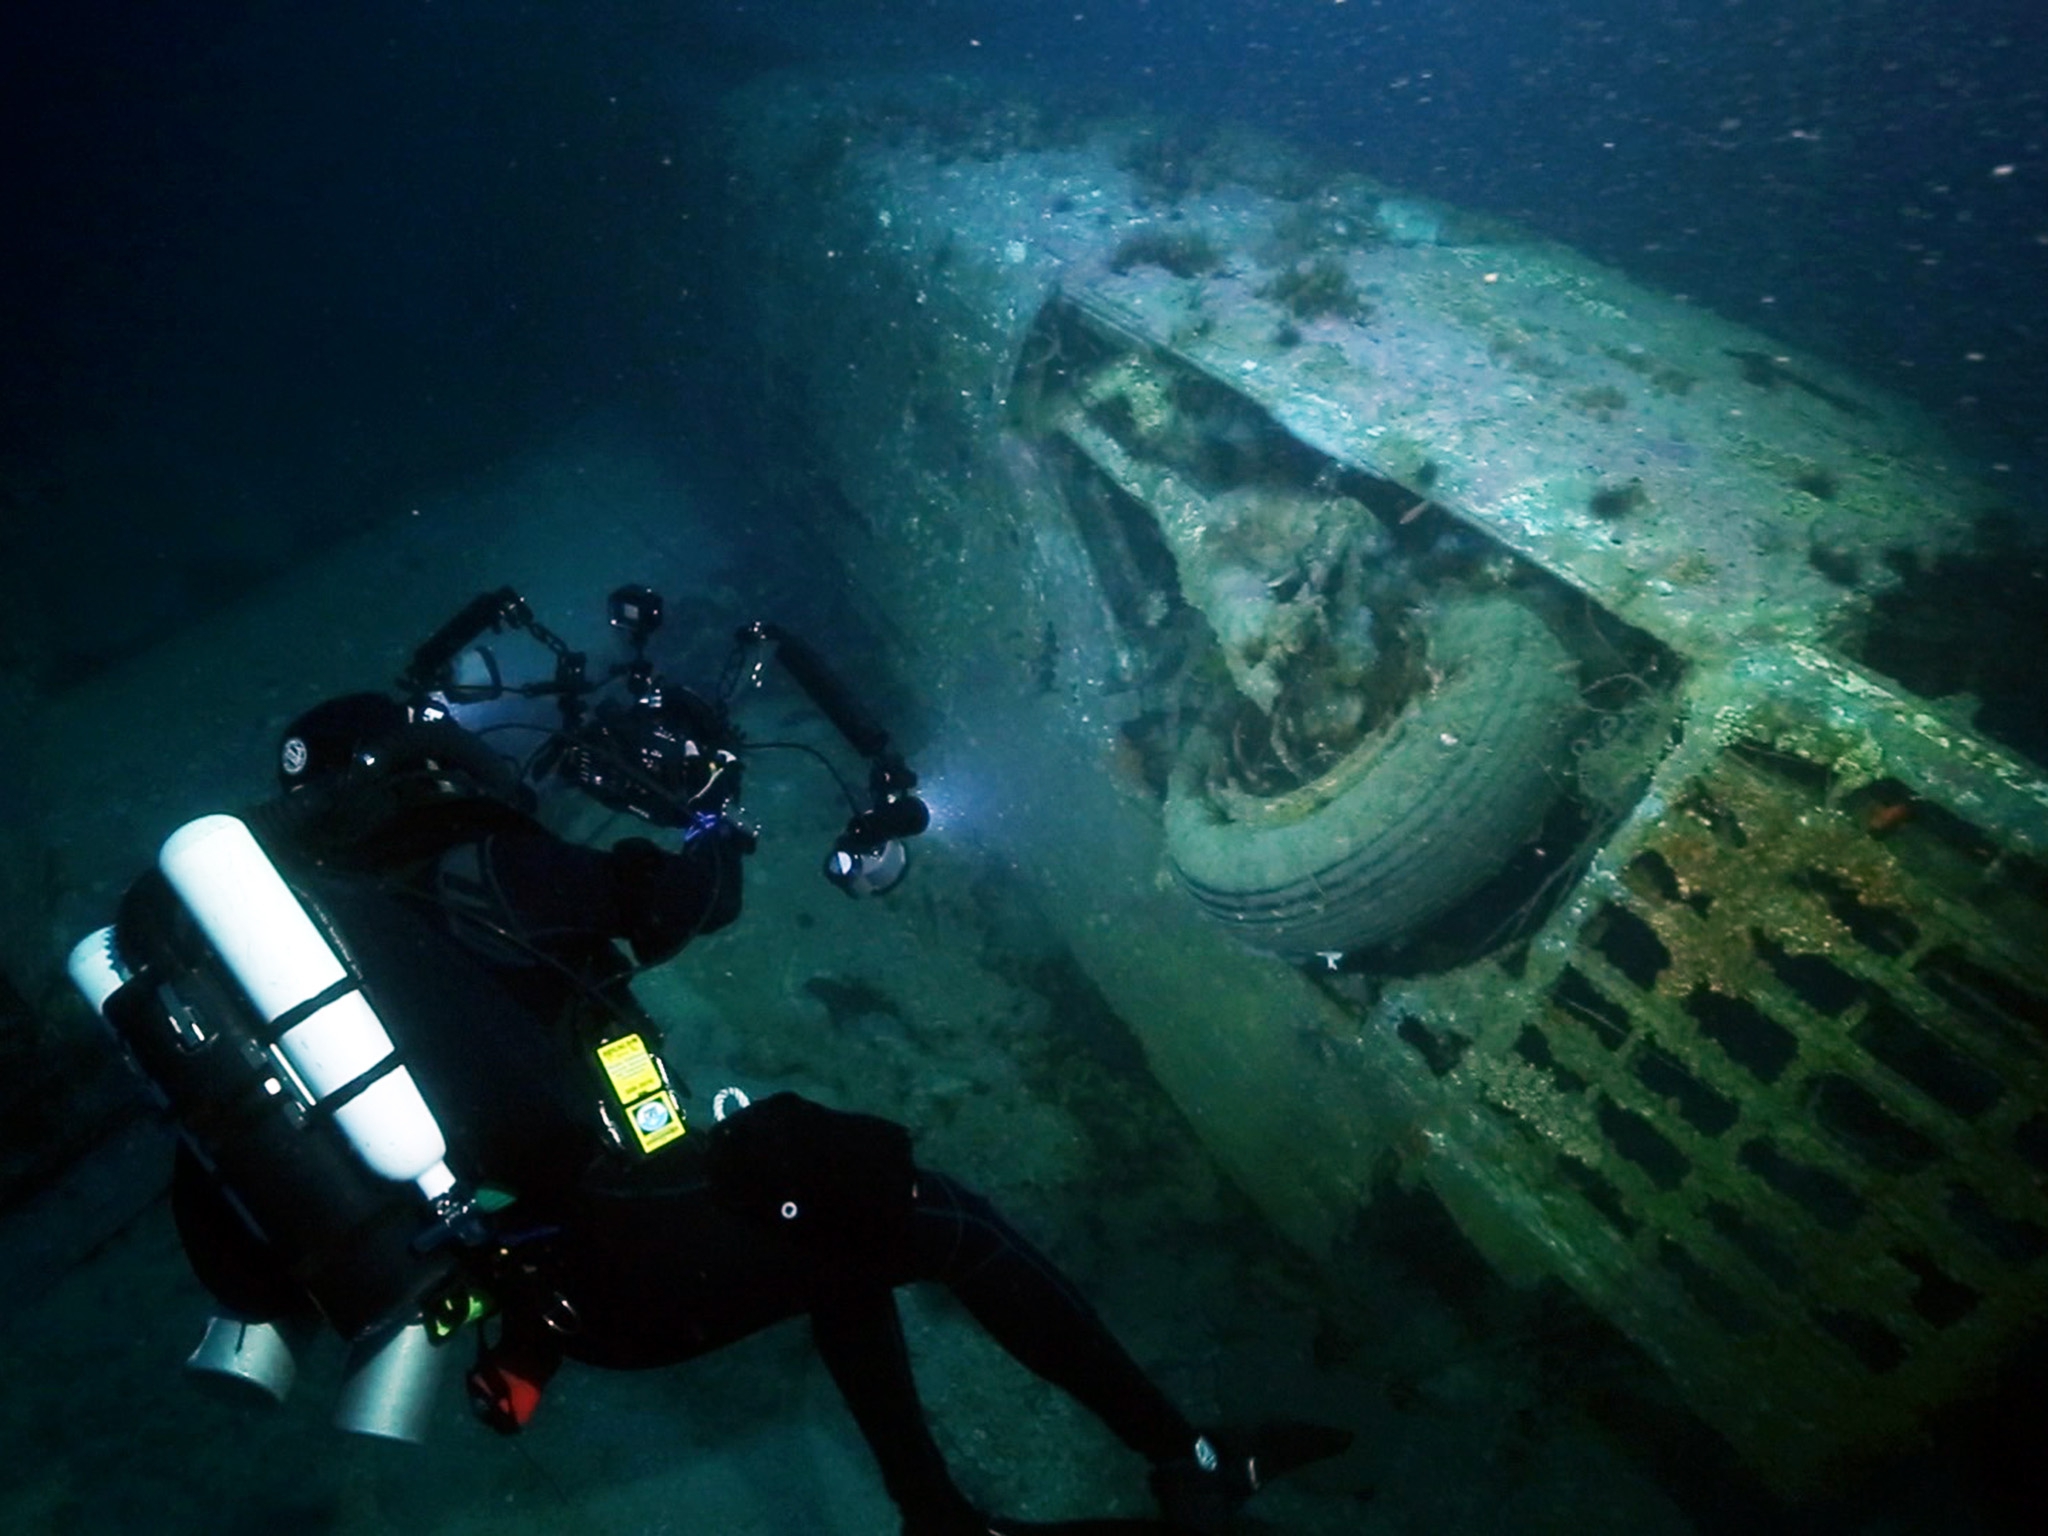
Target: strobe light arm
x=486, y=612
x=821, y=685
x=494, y=612
x=868, y=857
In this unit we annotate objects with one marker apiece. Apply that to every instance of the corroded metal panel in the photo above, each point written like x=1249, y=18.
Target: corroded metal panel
x=1753, y=1051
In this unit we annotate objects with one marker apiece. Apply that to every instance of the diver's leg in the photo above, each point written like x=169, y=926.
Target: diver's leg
x=860, y=1337
x=1033, y=1311
x=1200, y=1478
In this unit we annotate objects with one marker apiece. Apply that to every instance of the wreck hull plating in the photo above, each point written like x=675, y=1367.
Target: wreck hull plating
x=1170, y=468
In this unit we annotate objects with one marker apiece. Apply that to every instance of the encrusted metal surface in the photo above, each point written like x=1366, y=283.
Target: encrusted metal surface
x=1762, y=1067
x=1782, y=1108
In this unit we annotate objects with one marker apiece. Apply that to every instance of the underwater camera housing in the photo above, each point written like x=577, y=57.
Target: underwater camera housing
x=664, y=754
x=669, y=755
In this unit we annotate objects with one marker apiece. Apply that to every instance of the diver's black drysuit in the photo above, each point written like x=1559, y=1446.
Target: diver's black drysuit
x=660, y=1266
x=483, y=938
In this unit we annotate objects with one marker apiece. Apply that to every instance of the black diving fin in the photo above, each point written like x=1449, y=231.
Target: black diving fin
x=1280, y=1446
x=1202, y=1493
x=1200, y=1500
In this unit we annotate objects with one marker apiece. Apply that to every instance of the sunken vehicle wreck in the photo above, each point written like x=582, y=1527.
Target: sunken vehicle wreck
x=1462, y=711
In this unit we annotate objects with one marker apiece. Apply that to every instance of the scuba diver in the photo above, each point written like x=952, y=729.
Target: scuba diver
x=390, y=1015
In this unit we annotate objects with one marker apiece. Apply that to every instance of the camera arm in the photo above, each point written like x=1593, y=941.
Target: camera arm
x=489, y=612
x=868, y=855
x=821, y=685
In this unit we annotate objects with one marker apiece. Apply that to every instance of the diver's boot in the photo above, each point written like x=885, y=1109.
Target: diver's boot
x=1203, y=1491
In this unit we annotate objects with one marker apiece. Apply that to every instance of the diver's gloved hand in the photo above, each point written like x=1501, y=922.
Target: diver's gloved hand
x=660, y=900
x=1203, y=1491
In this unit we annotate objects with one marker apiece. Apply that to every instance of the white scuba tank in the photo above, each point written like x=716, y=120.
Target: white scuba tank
x=96, y=968
x=282, y=962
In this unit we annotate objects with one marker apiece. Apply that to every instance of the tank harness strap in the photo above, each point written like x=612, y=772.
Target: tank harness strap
x=269, y=1036
x=298, y=1013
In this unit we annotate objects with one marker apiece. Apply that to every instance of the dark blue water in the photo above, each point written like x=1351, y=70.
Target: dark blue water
x=271, y=274
x=270, y=270
x=1865, y=177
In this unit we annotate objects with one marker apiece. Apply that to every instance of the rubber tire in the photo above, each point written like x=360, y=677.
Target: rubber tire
x=1428, y=808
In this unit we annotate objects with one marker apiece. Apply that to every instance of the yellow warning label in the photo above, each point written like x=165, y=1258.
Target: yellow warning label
x=656, y=1120
x=630, y=1068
